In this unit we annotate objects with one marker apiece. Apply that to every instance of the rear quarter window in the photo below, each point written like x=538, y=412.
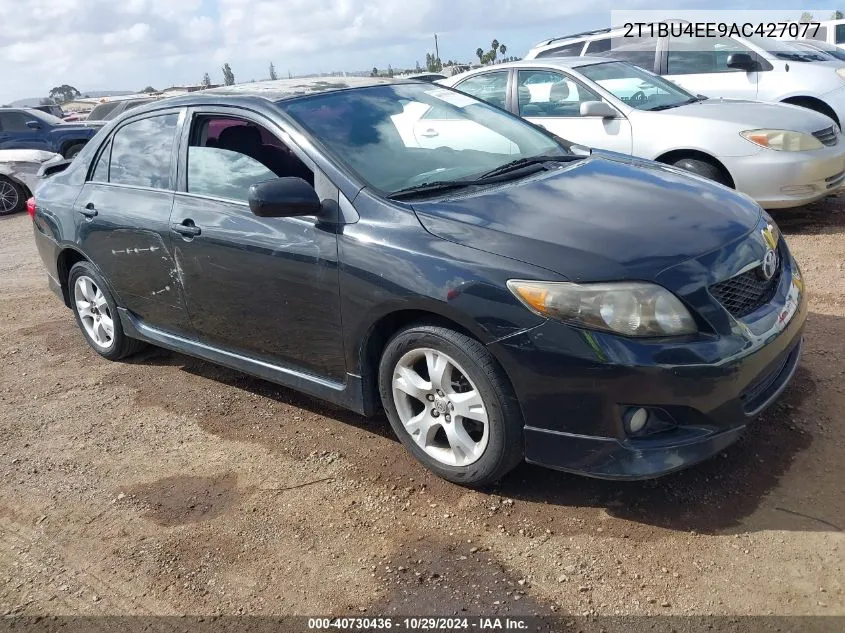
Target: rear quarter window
x=567, y=50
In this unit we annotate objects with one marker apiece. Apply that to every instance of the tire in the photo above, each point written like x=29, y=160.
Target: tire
x=702, y=168
x=72, y=150
x=484, y=452
x=94, y=307
x=12, y=197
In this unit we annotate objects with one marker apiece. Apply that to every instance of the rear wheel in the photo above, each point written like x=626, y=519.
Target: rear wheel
x=451, y=405
x=12, y=197
x=96, y=314
x=703, y=168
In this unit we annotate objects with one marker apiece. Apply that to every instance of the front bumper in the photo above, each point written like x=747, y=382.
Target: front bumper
x=577, y=386
x=778, y=180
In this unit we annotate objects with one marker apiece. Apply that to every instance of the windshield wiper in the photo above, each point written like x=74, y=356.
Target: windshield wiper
x=666, y=106
x=429, y=187
x=521, y=163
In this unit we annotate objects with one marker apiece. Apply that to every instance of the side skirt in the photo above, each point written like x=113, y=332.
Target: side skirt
x=349, y=394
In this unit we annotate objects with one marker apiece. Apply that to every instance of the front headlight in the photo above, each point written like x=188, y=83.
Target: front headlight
x=782, y=140
x=629, y=308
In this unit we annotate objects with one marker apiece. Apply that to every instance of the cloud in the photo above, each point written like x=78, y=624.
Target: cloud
x=103, y=44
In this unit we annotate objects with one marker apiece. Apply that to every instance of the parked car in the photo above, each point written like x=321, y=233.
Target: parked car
x=828, y=51
x=25, y=128
x=18, y=171
x=599, y=314
x=738, y=68
x=79, y=115
x=111, y=109
x=780, y=155
x=830, y=32
x=430, y=77
x=55, y=110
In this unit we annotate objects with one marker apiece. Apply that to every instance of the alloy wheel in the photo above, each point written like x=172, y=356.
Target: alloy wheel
x=9, y=197
x=440, y=407
x=94, y=312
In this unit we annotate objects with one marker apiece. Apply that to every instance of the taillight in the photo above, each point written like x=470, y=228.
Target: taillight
x=30, y=207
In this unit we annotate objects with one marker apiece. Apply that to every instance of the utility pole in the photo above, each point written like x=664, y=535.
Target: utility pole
x=436, y=48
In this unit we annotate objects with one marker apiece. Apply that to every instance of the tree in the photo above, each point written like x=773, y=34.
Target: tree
x=228, y=75
x=273, y=75
x=479, y=52
x=417, y=67
x=206, y=81
x=149, y=89
x=503, y=49
x=807, y=17
x=494, y=49
x=46, y=101
x=64, y=93
x=389, y=70
x=837, y=15
x=375, y=72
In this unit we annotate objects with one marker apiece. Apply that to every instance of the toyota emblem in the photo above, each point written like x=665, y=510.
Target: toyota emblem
x=769, y=265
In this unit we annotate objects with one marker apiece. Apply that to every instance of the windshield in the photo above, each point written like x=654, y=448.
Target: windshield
x=790, y=51
x=397, y=136
x=828, y=49
x=636, y=87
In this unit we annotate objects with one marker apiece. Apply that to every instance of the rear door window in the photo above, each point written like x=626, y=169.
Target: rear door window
x=101, y=170
x=14, y=122
x=489, y=87
x=598, y=47
x=141, y=152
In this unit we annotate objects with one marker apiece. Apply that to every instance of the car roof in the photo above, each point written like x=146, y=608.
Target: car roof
x=282, y=89
x=560, y=62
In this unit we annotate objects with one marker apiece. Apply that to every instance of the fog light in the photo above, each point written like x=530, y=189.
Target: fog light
x=798, y=190
x=637, y=421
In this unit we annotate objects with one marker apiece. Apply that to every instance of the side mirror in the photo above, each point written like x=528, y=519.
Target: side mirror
x=742, y=61
x=283, y=198
x=33, y=125
x=598, y=108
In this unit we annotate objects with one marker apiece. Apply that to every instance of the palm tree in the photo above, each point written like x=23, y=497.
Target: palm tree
x=494, y=48
x=503, y=49
x=479, y=52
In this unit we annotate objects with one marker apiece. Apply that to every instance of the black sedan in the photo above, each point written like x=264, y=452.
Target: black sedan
x=501, y=296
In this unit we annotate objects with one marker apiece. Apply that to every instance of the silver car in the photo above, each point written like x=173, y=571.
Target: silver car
x=780, y=155
x=18, y=175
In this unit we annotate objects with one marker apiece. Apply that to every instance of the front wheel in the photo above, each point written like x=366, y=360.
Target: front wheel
x=702, y=168
x=451, y=405
x=73, y=150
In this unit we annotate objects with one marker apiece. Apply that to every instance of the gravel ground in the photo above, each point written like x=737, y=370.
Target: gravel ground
x=166, y=485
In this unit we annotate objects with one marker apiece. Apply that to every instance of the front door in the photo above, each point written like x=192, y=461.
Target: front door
x=701, y=66
x=123, y=220
x=266, y=288
x=553, y=100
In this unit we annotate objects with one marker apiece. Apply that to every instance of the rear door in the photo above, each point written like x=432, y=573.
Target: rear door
x=15, y=134
x=123, y=218
x=701, y=66
x=553, y=99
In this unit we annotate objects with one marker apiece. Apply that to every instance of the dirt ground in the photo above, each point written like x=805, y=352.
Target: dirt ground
x=166, y=485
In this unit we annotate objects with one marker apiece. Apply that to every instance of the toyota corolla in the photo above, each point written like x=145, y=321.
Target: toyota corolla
x=499, y=294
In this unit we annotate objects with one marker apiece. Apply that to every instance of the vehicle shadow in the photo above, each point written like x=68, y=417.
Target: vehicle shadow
x=825, y=217
x=716, y=496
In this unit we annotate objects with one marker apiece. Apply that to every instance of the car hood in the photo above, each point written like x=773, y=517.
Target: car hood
x=605, y=217
x=752, y=115
x=80, y=125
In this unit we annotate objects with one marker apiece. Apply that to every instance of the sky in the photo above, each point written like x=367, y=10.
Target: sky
x=130, y=44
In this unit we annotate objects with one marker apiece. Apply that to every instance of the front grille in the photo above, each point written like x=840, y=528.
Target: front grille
x=828, y=135
x=835, y=180
x=743, y=294
x=761, y=390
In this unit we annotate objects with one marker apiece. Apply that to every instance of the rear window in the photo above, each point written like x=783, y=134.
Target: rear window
x=101, y=111
x=141, y=152
x=567, y=50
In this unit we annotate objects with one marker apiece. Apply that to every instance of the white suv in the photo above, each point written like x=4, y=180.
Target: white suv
x=762, y=69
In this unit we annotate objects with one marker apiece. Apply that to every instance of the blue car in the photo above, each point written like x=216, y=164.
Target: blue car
x=501, y=295
x=29, y=128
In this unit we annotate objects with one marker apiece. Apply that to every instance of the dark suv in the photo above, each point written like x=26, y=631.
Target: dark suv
x=27, y=128
x=498, y=295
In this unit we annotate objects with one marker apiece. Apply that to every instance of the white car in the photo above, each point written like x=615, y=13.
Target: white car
x=780, y=155
x=739, y=68
x=18, y=171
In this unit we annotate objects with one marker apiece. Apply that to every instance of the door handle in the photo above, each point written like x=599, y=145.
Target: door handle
x=429, y=133
x=89, y=211
x=186, y=229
